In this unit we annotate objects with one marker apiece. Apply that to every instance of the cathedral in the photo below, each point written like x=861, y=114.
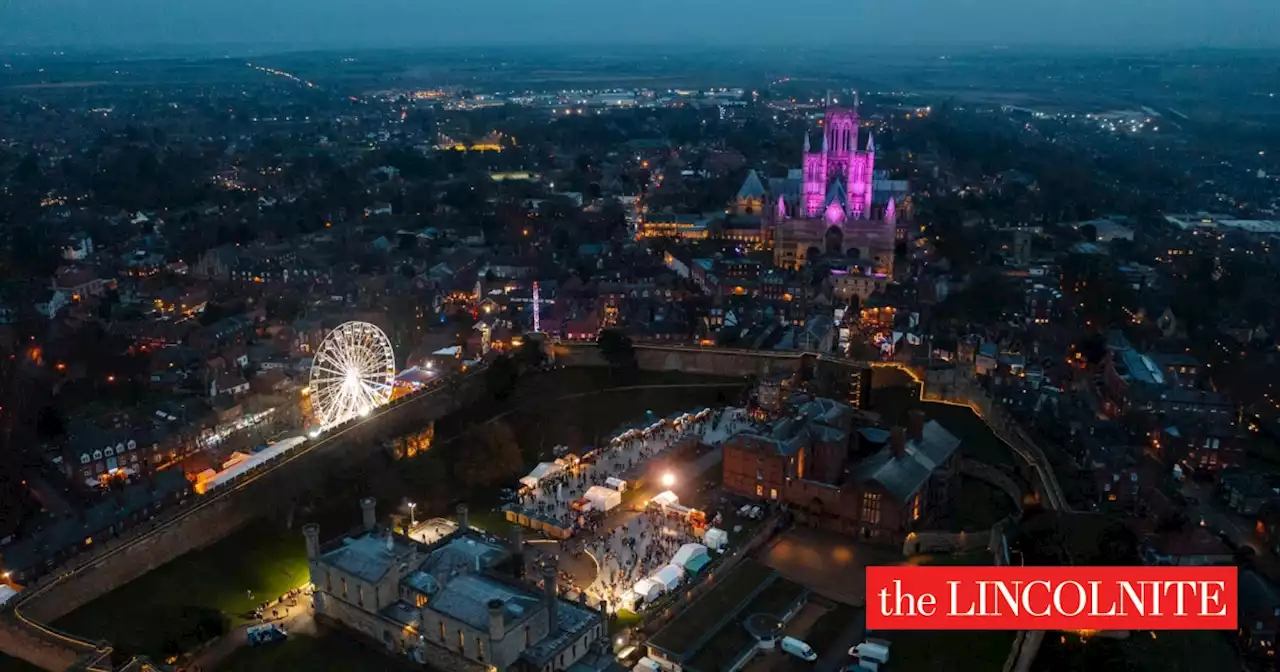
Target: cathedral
x=831, y=206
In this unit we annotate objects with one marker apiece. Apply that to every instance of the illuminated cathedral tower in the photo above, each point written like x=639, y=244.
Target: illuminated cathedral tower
x=837, y=179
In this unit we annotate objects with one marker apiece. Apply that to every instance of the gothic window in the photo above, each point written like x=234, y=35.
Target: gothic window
x=132, y=444
x=109, y=452
x=871, y=508
x=97, y=454
x=84, y=458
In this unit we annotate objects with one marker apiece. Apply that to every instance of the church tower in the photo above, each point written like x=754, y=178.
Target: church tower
x=815, y=177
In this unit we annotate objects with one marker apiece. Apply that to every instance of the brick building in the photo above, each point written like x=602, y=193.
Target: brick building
x=880, y=485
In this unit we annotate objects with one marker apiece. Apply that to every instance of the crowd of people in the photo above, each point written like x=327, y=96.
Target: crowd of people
x=634, y=551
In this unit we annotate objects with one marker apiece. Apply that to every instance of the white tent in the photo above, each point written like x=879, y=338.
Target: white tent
x=543, y=470
x=616, y=483
x=665, y=498
x=647, y=590
x=687, y=554
x=602, y=498
x=7, y=593
x=715, y=538
x=668, y=576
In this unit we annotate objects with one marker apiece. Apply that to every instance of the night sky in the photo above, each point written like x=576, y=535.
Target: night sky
x=905, y=23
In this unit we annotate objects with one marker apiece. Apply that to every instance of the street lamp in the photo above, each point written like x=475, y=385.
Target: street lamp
x=412, y=506
x=668, y=480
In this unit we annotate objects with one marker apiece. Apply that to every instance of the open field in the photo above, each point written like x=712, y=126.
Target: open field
x=178, y=605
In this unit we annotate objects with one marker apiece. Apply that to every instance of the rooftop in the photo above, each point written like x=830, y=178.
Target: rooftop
x=904, y=476
x=368, y=556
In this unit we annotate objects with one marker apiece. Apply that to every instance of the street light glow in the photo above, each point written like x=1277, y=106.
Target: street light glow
x=668, y=480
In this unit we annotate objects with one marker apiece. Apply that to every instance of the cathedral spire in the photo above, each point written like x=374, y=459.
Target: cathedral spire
x=890, y=212
x=806, y=142
x=871, y=143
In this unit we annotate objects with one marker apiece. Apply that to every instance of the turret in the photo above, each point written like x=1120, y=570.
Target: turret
x=550, y=598
x=463, y=523
x=806, y=142
x=497, y=628
x=368, y=514
x=311, y=532
x=890, y=212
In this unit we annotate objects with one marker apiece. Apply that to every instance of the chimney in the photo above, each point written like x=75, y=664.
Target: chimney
x=517, y=551
x=367, y=513
x=463, y=523
x=497, y=629
x=898, y=442
x=549, y=595
x=915, y=425
x=311, y=532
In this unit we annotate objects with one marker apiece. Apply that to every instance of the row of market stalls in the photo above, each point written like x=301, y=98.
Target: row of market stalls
x=688, y=560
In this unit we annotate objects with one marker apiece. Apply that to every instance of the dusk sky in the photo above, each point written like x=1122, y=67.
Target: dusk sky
x=908, y=23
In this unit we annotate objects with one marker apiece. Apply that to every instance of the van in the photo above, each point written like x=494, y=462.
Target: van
x=798, y=649
x=871, y=651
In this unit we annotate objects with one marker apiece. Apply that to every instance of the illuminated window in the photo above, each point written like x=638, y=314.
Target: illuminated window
x=759, y=490
x=479, y=649
x=420, y=601
x=773, y=493
x=360, y=595
x=915, y=507
x=442, y=633
x=462, y=641
x=871, y=507
x=344, y=586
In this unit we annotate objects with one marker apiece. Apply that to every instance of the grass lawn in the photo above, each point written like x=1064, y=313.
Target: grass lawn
x=978, y=505
x=623, y=619
x=723, y=648
x=927, y=651
x=158, y=614
x=333, y=652
x=775, y=599
x=729, y=591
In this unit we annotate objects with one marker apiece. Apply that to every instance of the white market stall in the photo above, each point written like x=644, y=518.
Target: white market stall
x=669, y=576
x=715, y=539
x=602, y=498
x=647, y=590
x=665, y=499
x=616, y=483
x=543, y=470
x=689, y=554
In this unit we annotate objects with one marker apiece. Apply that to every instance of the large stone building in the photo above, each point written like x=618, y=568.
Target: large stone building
x=872, y=483
x=448, y=604
x=830, y=207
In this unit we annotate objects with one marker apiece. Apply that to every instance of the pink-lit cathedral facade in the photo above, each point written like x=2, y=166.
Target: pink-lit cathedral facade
x=826, y=207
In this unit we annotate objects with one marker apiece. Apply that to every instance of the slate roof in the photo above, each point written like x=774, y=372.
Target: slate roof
x=367, y=556
x=903, y=477
x=466, y=598
x=752, y=187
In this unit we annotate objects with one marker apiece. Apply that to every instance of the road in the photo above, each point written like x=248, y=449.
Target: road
x=1240, y=530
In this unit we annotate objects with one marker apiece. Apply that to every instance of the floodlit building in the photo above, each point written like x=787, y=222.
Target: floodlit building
x=456, y=604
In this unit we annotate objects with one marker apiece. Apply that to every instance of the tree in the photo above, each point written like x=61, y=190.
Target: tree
x=530, y=353
x=493, y=455
x=616, y=348
x=501, y=377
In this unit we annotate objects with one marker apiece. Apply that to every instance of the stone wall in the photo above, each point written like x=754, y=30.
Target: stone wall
x=204, y=521
x=690, y=359
x=994, y=477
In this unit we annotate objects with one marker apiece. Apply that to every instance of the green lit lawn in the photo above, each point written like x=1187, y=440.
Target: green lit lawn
x=160, y=613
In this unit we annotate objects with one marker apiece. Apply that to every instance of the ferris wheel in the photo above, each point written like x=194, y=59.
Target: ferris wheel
x=353, y=372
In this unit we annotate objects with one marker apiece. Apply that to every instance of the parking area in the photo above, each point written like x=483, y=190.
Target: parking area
x=828, y=564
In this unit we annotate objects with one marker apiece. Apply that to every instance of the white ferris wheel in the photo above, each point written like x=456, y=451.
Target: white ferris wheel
x=353, y=372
